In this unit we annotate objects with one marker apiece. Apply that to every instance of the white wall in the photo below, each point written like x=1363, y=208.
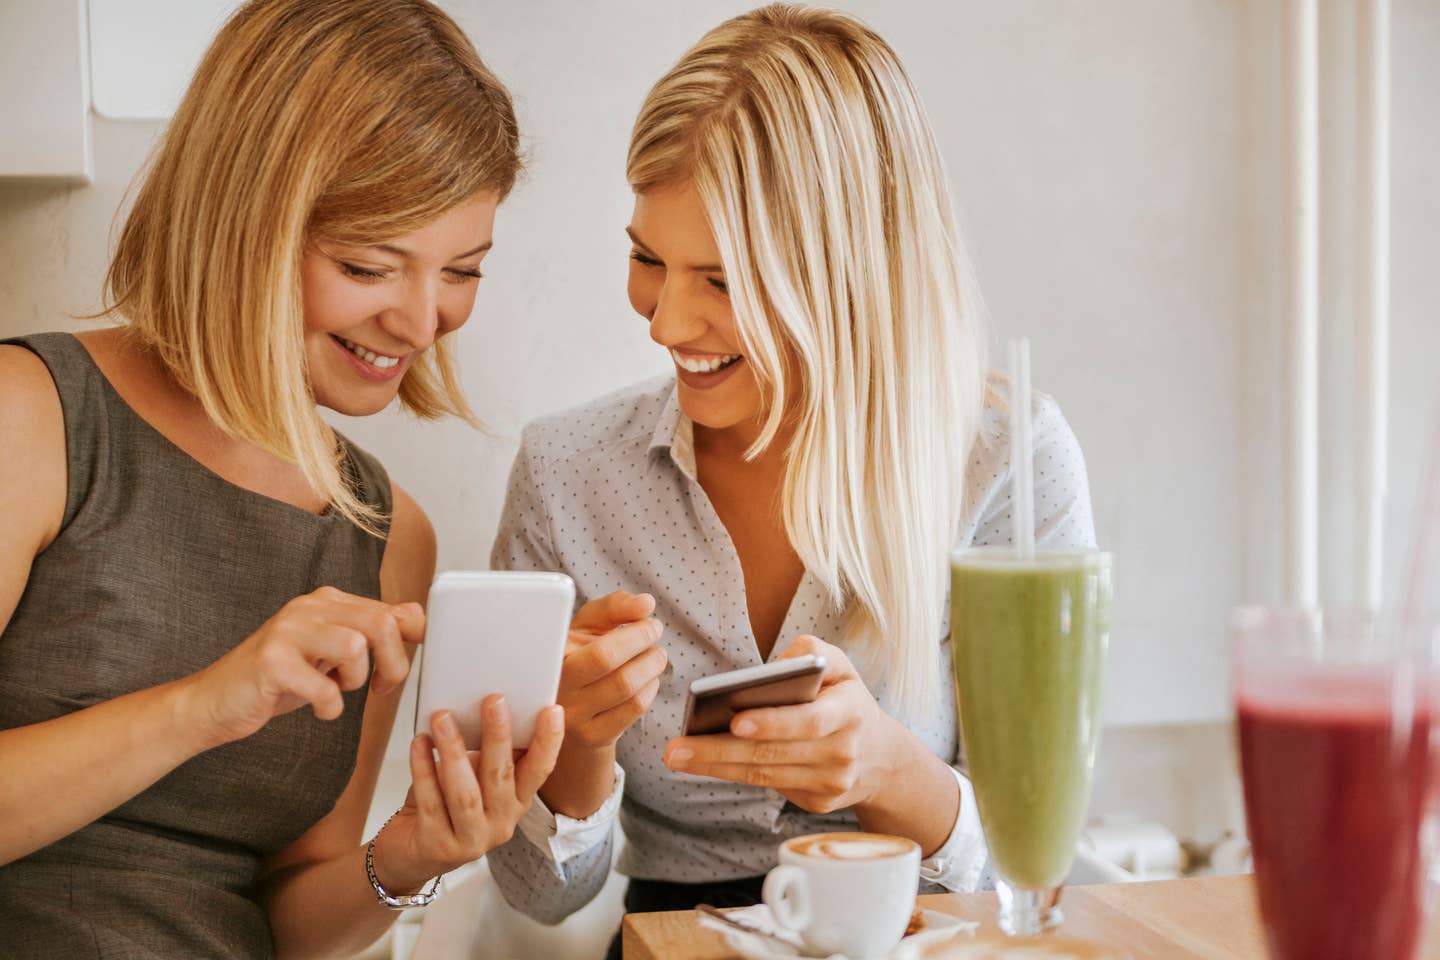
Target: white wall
x=1115, y=164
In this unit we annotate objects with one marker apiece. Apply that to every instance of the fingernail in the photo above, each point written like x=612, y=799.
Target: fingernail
x=745, y=728
x=446, y=722
x=680, y=756
x=495, y=709
x=555, y=720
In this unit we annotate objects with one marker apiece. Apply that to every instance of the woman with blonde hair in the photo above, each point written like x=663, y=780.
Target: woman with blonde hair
x=831, y=437
x=192, y=554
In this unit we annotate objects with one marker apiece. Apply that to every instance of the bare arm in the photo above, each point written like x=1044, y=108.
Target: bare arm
x=919, y=798
x=456, y=811
x=75, y=769
x=134, y=740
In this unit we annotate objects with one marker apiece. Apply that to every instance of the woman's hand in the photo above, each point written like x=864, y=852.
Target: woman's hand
x=468, y=804
x=613, y=664
x=610, y=676
x=823, y=756
x=315, y=648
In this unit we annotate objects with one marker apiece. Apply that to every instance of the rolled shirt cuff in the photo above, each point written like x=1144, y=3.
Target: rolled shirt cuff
x=960, y=861
x=561, y=837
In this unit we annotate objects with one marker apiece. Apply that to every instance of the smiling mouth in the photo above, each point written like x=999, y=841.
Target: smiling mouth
x=379, y=361
x=712, y=364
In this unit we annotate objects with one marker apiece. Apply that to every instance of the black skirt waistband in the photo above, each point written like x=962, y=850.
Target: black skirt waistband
x=649, y=896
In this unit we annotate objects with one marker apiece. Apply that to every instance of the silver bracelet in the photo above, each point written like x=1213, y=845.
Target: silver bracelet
x=422, y=899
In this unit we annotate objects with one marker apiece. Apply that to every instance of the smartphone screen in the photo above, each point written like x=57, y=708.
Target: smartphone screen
x=715, y=700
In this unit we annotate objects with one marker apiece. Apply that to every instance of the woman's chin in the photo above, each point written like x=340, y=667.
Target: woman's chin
x=352, y=405
x=730, y=404
x=715, y=417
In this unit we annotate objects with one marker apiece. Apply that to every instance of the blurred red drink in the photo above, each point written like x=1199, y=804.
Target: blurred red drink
x=1338, y=778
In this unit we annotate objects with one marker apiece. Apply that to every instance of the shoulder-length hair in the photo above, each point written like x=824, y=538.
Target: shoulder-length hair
x=349, y=120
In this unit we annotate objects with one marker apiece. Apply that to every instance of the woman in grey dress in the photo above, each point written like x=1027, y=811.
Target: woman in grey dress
x=191, y=555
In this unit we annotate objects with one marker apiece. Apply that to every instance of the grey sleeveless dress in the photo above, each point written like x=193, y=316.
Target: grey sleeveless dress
x=160, y=567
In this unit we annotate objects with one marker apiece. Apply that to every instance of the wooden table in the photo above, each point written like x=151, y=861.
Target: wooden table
x=1211, y=918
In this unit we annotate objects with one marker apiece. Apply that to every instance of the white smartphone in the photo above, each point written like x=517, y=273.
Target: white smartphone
x=714, y=700
x=493, y=632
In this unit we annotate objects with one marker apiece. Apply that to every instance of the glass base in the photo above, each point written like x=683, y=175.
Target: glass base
x=1028, y=913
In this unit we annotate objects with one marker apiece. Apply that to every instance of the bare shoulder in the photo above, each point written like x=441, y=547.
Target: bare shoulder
x=32, y=434
x=409, y=562
x=25, y=378
x=32, y=472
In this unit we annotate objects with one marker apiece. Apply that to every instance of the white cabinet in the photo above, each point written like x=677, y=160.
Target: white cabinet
x=44, y=90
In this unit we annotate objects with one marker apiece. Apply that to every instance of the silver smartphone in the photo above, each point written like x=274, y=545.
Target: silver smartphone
x=493, y=632
x=714, y=700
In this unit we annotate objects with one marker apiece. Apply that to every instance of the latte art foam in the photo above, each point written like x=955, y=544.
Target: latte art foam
x=850, y=846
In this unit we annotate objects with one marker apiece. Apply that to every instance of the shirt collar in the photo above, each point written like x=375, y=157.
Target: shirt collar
x=675, y=434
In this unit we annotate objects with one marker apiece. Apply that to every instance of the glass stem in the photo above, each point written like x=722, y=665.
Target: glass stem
x=1028, y=913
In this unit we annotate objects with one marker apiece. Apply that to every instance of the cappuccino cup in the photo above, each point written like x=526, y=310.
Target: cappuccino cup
x=850, y=893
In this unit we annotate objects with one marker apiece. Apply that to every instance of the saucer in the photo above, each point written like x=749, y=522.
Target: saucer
x=939, y=927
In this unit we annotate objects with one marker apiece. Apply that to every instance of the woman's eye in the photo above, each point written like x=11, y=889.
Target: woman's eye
x=640, y=258
x=465, y=276
x=720, y=285
x=360, y=273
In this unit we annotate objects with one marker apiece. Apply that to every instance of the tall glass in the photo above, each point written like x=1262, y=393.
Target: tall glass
x=1029, y=638
x=1337, y=755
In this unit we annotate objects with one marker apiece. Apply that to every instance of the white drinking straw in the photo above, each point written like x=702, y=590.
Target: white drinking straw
x=1372, y=334
x=1302, y=306
x=1022, y=473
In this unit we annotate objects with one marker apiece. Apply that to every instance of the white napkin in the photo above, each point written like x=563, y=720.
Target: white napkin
x=939, y=927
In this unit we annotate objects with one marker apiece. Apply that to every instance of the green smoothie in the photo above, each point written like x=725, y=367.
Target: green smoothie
x=1029, y=643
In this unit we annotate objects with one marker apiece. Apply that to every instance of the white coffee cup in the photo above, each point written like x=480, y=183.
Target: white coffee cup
x=850, y=893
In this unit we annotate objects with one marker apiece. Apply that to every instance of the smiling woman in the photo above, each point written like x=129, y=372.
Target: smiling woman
x=339, y=167
x=194, y=555
x=829, y=436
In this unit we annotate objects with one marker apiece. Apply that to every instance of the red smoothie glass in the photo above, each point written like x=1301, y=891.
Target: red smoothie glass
x=1337, y=753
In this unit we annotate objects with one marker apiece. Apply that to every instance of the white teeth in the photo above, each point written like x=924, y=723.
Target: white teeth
x=374, y=359
x=703, y=365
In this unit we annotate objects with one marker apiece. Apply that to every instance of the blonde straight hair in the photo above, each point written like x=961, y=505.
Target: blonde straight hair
x=855, y=304
x=350, y=120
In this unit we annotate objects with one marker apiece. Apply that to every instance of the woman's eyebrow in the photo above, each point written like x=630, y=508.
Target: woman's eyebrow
x=470, y=253
x=635, y=239
x=390, y=248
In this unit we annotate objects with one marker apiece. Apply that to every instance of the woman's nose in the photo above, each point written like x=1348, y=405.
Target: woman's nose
x=676, y=320
x=417, y=317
